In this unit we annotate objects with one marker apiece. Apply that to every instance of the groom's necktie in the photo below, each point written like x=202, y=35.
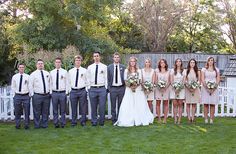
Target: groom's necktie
x=116, y=76
x=96, y=75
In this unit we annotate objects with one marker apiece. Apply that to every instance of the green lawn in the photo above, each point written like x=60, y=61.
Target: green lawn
x=185, y=138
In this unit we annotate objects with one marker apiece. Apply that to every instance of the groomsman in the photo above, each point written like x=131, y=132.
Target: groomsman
x=116, y=84
x=39, y=86
x=78, y=83
x=20, y=87
x=59, y=91
x=97, y=76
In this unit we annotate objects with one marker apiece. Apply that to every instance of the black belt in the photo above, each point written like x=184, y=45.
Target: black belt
x=78, y=89
x=41, y=94
x=97, y=86
x=63, y=91
x=22, y=94
x=118, y=86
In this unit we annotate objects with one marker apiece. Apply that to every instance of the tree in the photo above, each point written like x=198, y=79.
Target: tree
x=7, y=18
x=158, y=19
x=56, y=24
x=126, y=33
x=227, y=10
x=198, y=30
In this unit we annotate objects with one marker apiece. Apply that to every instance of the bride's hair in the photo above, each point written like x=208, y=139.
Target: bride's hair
x=135, y=67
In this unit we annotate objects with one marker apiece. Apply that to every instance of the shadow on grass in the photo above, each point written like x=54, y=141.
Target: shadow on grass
x=156, y=138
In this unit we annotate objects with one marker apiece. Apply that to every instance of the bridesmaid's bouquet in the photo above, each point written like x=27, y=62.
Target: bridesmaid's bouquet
x=178, y=86
x=132, y=81
x=211, y=85
x=148, y=87
x=192, y=85
x=161, y=84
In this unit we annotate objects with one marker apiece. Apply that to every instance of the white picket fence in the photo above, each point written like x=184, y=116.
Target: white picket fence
x=226, y=107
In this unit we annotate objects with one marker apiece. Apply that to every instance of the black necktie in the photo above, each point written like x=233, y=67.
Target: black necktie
x=116, y=77
x=57, y=80
x=44, y=86
x=96, y=75
x=21, y=78
x=77, y=77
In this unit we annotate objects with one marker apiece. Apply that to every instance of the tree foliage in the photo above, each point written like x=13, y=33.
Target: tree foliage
x=33, y=26
x=198, y=30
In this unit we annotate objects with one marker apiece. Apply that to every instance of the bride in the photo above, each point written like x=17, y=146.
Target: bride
x=134, y=110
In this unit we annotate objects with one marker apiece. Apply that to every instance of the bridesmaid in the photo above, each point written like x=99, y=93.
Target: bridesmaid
x=162, y=94
x=177, y=96
x=210, y=96
x=149, y=75
x=192, y=95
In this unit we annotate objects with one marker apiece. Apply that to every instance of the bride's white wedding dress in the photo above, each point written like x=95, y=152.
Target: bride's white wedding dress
x=134, y=110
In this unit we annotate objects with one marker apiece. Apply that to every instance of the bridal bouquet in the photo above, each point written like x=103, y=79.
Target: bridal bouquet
x=148, y=86
x=178, y=86
x=161, y=84
x=132, y=80
x=193, y=85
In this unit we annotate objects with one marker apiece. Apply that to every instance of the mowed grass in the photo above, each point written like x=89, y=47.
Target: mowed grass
x=157, y=138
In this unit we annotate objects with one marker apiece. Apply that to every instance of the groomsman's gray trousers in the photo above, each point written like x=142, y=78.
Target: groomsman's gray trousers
x=21, y=102
x=78, y=95
x=97, y=98
x=59, y=99
x=116, y=96
x=41, y=104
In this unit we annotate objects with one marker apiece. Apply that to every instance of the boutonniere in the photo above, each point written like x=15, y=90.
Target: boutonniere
x=62, y=77
x=101, y=72
x=121, y=69
x=26, y=81
x=82, y=75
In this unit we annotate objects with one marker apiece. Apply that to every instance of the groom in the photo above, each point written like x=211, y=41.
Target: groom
x=116, y=84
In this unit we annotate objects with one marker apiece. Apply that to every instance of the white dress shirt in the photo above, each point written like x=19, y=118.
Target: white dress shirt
x=63, y=79
x=36, y=82
x=82, y=78
x=119, y=83
x=101, y=76
x=15, y=83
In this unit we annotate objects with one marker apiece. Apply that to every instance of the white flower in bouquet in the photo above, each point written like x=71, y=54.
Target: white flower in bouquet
x=178, y=86
x=148, y=86
x=211, y=85
x=193, y=85
x=161, y=84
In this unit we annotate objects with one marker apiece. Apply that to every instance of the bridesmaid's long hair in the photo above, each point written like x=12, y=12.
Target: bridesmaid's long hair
x=195, y=68
x=135, y=67
x=181, y=66
x=207, y=64
x=159, y=64
x=148, y=59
